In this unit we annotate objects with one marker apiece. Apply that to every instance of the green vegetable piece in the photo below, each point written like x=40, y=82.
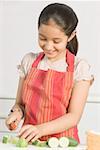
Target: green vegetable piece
x=21, y=143
x=43, y=143
x=35, y=142
x=72, y=142
x=5, y=139
x=14, y=140
x=40, y=143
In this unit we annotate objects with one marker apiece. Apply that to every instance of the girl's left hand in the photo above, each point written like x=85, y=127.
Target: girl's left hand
x=31, y=132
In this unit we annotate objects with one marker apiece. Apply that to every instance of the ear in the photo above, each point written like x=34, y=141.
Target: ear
x=72, y=36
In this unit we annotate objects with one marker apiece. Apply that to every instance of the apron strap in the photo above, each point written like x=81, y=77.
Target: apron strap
x=70, y=58
x=38, y=59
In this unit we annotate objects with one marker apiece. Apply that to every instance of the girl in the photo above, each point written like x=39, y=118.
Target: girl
x=54, y=84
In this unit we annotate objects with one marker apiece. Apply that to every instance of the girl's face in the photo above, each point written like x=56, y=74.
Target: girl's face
x=52, y=40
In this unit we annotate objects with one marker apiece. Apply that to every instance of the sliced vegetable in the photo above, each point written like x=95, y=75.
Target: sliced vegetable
x=21, y=143
x=53, y=142
x=5, y=139
x=40, y=143
x=72, y=142
x=35, y=143
x=14, y=140
x=63, y=142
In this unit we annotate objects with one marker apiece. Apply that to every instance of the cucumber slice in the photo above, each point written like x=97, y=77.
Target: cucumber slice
x=53, y=142
x=40, y=143
x=21, y=143
x=5, y=139
x=72, y=142
x=63, y=142
x=14, y=140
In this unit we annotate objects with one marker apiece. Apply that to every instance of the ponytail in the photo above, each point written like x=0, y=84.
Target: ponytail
x=72, y=45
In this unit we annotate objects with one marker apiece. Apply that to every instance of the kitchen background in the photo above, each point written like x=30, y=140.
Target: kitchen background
x=18, y=36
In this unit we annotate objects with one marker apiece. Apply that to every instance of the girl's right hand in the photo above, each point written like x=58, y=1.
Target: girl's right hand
x=14, y=118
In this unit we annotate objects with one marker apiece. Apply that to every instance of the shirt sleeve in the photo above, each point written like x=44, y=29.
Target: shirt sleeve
x=26, y=63
x=83, y=71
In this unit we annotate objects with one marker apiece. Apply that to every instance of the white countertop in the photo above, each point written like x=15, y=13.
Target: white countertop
x=31, y=147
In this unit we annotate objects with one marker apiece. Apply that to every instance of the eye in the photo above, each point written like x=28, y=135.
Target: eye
x=56, y=42
x=42, y=39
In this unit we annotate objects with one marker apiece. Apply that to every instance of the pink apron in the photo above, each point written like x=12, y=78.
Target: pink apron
x=46, y=95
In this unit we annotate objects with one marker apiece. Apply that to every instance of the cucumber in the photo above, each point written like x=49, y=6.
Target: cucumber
x=9, y=139
x=21, y=143
x=72, y=142
x=5, y=139
x=63, y=142
x=14, y=140
x=40, y=143
x=35, y=143
x=53, y=142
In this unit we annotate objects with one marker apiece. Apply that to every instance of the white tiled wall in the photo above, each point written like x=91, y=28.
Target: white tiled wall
x=89, y=121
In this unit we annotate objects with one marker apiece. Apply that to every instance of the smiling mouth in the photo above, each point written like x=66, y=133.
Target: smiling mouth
x=50, y=52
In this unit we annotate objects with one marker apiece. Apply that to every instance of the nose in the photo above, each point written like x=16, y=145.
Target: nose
x=48, y=46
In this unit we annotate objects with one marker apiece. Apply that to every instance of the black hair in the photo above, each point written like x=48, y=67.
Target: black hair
x=65, y=17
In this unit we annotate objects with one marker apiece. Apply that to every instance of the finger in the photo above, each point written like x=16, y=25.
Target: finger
x=23, y=129
x=6, y=123
x=11, y=119
x=31, y=136
x=35, y=138
x=26, y=133
x=17, y=122
x=30, y=142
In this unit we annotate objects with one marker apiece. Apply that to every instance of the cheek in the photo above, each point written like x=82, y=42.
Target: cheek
x=41, y=44
x=61, y=46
